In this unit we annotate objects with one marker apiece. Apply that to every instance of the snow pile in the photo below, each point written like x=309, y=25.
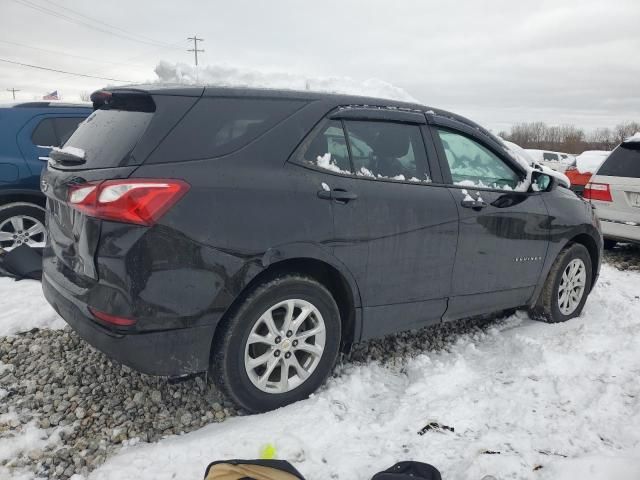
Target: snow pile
x=23, y=307
x=230, y=76
x=633, y=138
x=590, y=161
x=524, y=400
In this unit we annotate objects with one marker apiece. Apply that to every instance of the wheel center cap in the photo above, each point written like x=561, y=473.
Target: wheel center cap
x=286, y=344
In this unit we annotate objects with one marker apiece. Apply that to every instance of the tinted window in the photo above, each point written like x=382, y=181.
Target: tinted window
x=219, y=126
x=65, y=127
x=550, y=156
x=385, y=149
x=473, y=165
x=327, y=148
x=44, y=134
x=108, y=136
x=623, y=162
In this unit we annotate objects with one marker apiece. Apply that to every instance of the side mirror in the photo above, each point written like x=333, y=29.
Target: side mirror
x=541, y=182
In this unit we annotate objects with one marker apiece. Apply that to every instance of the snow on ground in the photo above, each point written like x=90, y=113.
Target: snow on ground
x=235, y=76
x=527, y=400
x=22, y=307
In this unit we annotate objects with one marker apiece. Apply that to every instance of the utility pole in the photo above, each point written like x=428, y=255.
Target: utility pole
x=195, y=49
x=13, y=90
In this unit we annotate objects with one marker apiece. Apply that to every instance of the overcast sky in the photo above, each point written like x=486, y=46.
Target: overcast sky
x=498, y=62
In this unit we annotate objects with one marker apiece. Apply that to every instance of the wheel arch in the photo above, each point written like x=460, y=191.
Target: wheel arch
x=319, y=266
x=591, y=245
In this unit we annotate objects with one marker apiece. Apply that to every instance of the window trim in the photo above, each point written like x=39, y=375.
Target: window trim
x=424, y=167
x=454, y=127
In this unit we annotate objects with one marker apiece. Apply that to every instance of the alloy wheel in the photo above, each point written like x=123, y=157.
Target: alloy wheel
x=572, y=286
x=285, y=346
x=22, y=230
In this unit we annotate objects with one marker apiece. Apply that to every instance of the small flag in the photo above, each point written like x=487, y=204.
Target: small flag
x=51, y=96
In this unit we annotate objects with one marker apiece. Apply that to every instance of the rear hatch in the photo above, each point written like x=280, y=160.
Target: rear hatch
x=110, y=144
x=615, y=188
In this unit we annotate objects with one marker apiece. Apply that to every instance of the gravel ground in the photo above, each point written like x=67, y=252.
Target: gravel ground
x=89, y=407
x=624, y=256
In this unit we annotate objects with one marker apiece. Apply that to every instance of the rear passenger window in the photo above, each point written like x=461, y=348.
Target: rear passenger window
x=219, y=126
x=553, y=157
x=328, y=148
x=473, y=165
x=45, y=134
x=386, y=150
x=624, y=161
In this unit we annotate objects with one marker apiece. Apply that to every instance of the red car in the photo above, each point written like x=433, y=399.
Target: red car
x=586, y=164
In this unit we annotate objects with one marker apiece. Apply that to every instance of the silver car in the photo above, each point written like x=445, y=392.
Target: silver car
x=615, y=191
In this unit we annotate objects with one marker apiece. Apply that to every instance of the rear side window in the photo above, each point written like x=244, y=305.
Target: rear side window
x=108, y=136
x=550, y=156
x=386, y=149
x=328, y=148
x=624, y=161
x=219, y=126
x=44, y=134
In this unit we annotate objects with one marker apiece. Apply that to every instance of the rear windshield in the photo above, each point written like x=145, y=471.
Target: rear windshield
x=219, y=126
x=624, y=161
x=108, y=137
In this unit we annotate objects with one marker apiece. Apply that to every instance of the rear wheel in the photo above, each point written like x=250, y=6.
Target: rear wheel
x=567, y=286
x=22, y=224
x=279, y=345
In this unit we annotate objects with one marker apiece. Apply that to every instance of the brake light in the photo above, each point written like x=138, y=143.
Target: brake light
x=598, y=191
x=139, y=201
x=112, y=319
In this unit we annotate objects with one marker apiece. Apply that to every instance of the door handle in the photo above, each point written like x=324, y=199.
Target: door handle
x=474, y=204
x=337, y=194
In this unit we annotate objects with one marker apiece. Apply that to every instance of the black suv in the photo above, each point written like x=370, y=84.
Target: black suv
x=255, y=234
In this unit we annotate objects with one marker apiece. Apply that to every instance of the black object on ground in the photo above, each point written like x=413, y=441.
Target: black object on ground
x=22, y=262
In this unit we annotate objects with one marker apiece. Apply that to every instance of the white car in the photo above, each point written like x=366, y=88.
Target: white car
x=615, y=192
x=558, y=161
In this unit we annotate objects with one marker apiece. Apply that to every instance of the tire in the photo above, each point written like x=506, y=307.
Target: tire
x=233, y=354
x=16, y=220
x=549, y=307
x=609, y=244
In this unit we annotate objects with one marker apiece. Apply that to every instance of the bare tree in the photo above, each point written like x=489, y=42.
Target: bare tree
x=85, y=96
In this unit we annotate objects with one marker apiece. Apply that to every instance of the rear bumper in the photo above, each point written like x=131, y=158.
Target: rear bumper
x=172, y=352
x=620, y=231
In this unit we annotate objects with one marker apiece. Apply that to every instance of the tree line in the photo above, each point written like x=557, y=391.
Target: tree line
x=568, y=138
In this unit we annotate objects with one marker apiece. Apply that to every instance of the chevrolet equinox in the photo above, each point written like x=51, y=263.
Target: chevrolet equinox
x=255, y=234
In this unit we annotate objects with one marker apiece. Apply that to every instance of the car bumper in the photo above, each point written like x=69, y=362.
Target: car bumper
x=171, y=353
x=620, y=231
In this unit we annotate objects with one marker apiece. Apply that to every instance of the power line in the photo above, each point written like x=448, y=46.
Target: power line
x=13, y=90
x=57, y=52
x=195, y=49
x=63, y=71
x=75, y=21
x=108, y=24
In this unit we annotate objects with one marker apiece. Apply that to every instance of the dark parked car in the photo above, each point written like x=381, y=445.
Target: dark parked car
x=28, y=130
x=257, y=233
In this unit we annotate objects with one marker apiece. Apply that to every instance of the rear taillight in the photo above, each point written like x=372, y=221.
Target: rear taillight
x=112, y=319
x=597, y=191
x=139, y=201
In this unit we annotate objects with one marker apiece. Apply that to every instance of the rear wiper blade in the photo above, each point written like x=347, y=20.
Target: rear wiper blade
x=68, y=156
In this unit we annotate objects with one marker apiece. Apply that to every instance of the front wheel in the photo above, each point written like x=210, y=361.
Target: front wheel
x=567, y=286
x=279, y=345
